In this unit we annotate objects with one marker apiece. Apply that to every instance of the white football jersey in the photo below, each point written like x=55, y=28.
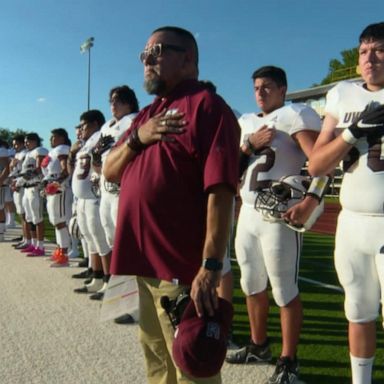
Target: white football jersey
x=81, y=179
x=17, y=163
x=30, y=161
x=52, y=161
x=363, y=180
x=283, y=157
x=116, y=128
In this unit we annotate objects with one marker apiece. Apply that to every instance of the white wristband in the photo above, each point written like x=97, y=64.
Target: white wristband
x=348, y=137
x=318, y=186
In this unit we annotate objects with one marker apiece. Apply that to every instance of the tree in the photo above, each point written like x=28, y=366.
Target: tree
x=345, y=69
x=7, y=135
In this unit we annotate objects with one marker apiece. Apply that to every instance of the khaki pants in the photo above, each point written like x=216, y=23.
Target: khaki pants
x=156, y=334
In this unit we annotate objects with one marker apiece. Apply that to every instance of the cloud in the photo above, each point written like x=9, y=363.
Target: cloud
x=41, y=100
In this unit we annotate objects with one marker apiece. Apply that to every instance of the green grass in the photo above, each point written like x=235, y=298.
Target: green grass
x=323, y=349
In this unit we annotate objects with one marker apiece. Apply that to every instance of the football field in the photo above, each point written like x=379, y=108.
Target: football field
x=323, y=350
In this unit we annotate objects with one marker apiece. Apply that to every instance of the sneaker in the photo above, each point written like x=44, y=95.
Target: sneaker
x=61, y=259
x=97, y=296
x=286, y=372
x=251, y=353
x=37, y=252
x=20, y=245
x=124, y=319
x=54, y=255
x=60, y=262
x=83, y=275
x=28, y=249
x=18, y=240
x=92, y=287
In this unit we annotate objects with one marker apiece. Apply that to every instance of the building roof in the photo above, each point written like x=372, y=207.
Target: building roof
x=312, y=93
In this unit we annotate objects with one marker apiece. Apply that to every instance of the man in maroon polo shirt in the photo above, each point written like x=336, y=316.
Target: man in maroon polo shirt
x=178, y=169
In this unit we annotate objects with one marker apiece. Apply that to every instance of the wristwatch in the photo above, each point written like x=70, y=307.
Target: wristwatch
x=212, y=264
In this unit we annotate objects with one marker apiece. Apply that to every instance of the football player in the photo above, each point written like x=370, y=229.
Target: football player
x=10, y=208
x=58, y=193
x=88, y=200
x=4, y=171
x=16, y=182
x=353, y=132
x=32, y=199
x=276, y=143
x=124, y=107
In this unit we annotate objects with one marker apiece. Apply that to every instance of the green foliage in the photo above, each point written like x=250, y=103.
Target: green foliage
x=7, y=135
x=344, y=69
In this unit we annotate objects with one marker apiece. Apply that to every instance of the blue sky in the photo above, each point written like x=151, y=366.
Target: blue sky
x=43, y=76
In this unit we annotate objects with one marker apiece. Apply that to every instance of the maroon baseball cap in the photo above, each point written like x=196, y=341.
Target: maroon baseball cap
x=200, y=343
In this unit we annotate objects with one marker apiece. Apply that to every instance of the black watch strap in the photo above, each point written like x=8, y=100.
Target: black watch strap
x=212, y=264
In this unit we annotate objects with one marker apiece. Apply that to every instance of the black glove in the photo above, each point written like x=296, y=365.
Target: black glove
x=370, y=121
x=104, y=143
x=30, y=174
x=96, y=159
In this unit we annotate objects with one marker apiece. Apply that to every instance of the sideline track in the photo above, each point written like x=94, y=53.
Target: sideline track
x=50, y=335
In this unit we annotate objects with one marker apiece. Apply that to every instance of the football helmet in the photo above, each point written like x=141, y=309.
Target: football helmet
x=273, y=202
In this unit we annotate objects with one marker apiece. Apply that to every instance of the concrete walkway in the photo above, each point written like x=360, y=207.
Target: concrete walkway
x=50, y=335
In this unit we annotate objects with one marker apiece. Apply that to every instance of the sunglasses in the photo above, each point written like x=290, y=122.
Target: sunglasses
x=157, y=50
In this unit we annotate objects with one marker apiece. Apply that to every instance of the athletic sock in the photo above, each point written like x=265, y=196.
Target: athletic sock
x=74, y=244
x=98, y=274
x=85, y=249
x=361, y=369
x=40, y=244
x=62, y=237
x=10, y=218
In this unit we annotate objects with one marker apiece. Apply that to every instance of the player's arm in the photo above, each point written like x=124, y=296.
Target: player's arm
x=39, y=160
x=258, y=140
x=328, y=150
x=72, y=156
x=63, y=159
x=219, y=213
x=300, y=213
x=14, y=163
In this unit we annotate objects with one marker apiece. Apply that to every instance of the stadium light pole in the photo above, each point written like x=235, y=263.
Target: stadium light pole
x=86, y=47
